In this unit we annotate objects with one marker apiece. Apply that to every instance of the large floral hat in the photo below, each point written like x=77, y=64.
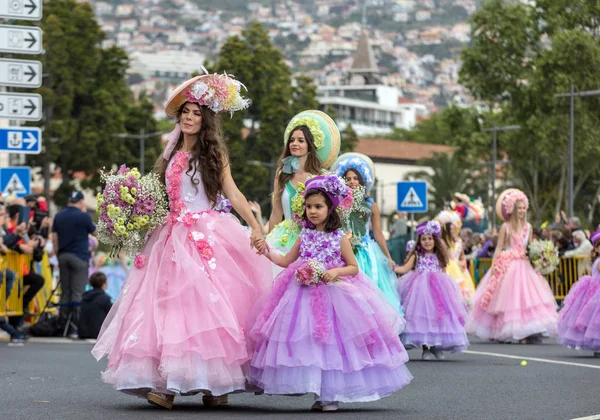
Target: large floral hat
x=324, y=130
x=334, y=187
x=358, y=162
x=449, y=216
x=218, y=92
x=505, y=205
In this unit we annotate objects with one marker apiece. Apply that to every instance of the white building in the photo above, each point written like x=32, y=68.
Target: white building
x=370, y=106
x=178, y=65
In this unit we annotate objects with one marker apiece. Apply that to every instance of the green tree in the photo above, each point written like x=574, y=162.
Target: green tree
x=254, y=147
x=349, y=139
x=85, y=94
x=521, y=56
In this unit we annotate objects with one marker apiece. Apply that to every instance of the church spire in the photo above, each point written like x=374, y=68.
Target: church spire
x=364, y=65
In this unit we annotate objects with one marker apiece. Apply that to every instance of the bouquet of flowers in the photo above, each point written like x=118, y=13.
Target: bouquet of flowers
x=356, y=217
x=543, y=256
x=130, y=207
x=310, y=273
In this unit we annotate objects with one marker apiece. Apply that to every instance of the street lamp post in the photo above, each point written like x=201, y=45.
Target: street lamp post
x=571, y=95
x=495, y=130
x=142, y=137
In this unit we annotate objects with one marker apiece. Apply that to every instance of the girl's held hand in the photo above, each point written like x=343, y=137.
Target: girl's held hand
x=262, y=248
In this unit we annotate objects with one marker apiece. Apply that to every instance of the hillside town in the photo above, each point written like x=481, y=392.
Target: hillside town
x=416, y=43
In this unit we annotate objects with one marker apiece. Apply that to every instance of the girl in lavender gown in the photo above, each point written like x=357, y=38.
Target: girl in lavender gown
x=325, y=328
x=435, y=313
x=579, y=321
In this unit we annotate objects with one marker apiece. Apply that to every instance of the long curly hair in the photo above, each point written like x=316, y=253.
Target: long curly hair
x=209, y=155
x=439, y=249
x=447, y=235
x=312, y=164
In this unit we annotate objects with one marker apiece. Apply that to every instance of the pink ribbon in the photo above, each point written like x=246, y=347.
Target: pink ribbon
x=172, y=141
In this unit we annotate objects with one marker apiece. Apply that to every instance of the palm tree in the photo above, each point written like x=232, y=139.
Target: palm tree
x=447, y=176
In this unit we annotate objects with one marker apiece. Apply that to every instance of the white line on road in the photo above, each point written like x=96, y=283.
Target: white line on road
x=533, y=359
x=596, y=417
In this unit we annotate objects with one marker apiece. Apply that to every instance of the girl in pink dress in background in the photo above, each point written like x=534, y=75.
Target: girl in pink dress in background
x=513, y=303
x=177, y=327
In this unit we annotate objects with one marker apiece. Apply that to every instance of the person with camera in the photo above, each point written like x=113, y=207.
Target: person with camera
x=18, y=240
x=70, y=231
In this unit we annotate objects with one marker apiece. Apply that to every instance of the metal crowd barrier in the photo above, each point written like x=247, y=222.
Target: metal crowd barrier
x=561, y=280
x=12, y=305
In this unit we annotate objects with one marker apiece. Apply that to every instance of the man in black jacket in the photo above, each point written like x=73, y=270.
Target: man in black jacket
x=95, y=305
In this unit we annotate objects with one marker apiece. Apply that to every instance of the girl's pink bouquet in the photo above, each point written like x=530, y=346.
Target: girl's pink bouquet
x=310, y=273
x=130, y=207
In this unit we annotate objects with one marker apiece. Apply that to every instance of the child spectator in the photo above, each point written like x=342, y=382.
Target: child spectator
x=95, y=305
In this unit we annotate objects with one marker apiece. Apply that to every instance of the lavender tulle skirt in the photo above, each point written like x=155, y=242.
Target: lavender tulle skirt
x=338, y=341
x=435, y=312
x=579, y=318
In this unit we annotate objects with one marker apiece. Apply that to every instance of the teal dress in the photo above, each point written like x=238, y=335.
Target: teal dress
x=371, y=259
x=284, y=235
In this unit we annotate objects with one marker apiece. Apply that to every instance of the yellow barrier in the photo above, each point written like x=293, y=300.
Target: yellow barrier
x=561, y=280
x=12, y=305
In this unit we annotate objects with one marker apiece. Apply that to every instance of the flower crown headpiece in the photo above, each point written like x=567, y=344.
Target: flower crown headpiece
x=410, y=246
x=334, y=187
x=509, y=201
x=429, y=228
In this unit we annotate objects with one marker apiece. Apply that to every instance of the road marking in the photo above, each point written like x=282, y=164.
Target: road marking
x=533, y=359
x=596, y=417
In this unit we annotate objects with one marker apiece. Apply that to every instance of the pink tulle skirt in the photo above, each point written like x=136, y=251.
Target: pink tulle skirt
x=579, y=321
x=177, y=326
x=521, y=306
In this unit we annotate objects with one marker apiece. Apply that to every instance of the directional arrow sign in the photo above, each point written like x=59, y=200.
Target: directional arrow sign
x=16, y=180
x=21, y=9
x=21, y=106
x=20, y=39
x=26, y=140
x=20, y=73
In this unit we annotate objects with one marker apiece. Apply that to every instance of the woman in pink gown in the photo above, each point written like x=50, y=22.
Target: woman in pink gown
x=178, y=326
x=513, y=302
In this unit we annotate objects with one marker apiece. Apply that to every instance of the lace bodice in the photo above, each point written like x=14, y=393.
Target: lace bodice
x=517, y=241
x=322, y=246
x=193, y=197
x=428, y=262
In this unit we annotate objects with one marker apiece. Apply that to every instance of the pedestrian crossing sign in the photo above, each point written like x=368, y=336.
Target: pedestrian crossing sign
x=412, y=196
x=16, y=180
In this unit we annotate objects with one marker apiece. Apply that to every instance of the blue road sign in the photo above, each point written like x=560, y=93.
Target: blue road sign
x=412, y=196
x=16, y=180
x=21, y=140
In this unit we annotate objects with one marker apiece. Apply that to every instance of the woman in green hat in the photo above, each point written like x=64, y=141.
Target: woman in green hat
x=312, y=142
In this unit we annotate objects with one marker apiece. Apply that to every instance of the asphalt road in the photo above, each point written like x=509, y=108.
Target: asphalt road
x=61, y=380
